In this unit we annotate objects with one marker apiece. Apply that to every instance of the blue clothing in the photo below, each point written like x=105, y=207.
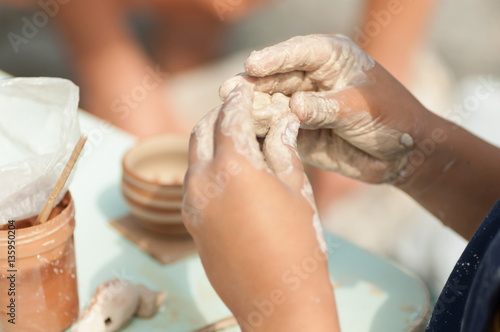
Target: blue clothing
x=471, y=295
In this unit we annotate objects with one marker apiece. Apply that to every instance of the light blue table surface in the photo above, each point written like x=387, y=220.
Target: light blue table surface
x=372, y=294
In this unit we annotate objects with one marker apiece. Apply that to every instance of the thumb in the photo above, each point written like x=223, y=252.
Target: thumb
x=280, y=151
x=316, y=109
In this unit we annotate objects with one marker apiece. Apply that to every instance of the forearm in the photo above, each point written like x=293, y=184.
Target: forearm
x=310, y=307
x=393, y=31
x=118, y=81
x=298, y=320
x=459, y=178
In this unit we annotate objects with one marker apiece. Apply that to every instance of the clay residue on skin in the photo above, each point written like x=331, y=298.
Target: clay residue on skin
x=268, y=109
x=237, y=123
x=280, y=149
x=279, y=146
x=285, y=83
x=315, y=110
x=290, y=136
x=242, y=126
x=280, y=143
x=448, y=165
x=344, y=148
x=360, y=129
x=407, y=140
x=305, y=63
x=330, y=62
x=307, y=192
x=347, y=65
x=204, y=128
x=312, y=70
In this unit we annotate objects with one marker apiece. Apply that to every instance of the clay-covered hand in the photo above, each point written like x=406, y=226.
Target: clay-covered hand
x=356, y=119
x=251, y=216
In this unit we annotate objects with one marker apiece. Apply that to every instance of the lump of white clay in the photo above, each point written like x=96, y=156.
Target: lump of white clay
x=114, y=303
x=267, y=109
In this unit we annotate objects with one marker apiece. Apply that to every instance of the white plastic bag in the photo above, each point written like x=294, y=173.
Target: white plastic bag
x=38, y=130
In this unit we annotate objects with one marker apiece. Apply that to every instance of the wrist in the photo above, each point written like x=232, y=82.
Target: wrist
x=430, y=155
x=455, y=176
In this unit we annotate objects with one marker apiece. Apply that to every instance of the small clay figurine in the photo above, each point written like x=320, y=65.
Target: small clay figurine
x=114, y=303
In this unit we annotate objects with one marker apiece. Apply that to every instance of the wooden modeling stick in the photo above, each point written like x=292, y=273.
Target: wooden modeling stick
x=219, y=325
x=44, y=215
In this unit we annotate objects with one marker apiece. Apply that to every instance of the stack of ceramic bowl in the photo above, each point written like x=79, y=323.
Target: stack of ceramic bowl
x=153, y=173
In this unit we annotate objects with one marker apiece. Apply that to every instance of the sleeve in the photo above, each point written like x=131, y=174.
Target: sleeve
x=471, y=295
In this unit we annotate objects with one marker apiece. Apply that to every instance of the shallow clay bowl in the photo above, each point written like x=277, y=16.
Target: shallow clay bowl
x=153, y=173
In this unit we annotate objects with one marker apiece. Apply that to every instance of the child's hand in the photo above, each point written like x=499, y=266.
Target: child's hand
x=253, y=219
x=356, y=118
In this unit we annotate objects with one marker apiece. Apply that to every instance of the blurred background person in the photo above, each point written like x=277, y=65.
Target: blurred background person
x=122, y=51
x=121, y=74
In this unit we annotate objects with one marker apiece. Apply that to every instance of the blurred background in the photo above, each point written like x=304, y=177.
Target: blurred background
x=452, y=50
x=461, y=31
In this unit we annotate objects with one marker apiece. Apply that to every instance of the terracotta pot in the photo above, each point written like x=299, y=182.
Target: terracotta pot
x=153, y=173
x=44, y=290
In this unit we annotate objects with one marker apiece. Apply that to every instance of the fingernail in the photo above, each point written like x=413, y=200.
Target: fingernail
x=229, y=85
x=257, y=63
x=251, y=61
x=233, y=96
x=313, y=110
x=241, y=90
